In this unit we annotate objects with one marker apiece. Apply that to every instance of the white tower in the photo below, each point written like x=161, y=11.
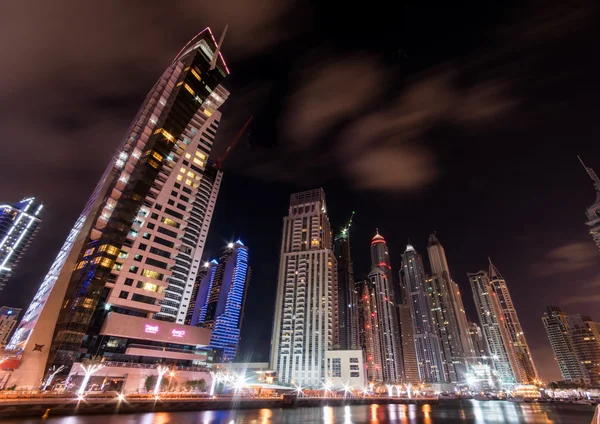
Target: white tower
x=305, y=321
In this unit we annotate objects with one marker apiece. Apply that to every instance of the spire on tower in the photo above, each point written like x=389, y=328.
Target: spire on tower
x=594, y=178
x=213, y=62
x=493, y=272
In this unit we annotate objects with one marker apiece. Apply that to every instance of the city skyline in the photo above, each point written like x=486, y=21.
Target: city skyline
x=525, y=207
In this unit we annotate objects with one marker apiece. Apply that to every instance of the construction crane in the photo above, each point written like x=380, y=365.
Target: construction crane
x=346, y=230
x=219, y=162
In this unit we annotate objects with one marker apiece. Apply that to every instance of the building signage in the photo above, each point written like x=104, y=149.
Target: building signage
x=152, y=329
x=177, y=333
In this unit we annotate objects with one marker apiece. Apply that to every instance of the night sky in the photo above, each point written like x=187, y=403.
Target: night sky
x=464, y=120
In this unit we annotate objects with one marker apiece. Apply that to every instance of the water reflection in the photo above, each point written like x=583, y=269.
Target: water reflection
x=444, y=412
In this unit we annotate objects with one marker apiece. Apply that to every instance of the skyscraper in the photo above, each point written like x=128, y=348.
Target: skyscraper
x=494, y=332
x=585, y=339
x=555, y=323
x=449, y=314
x=523, y=366
x=407, y=340
x=135, y=250
x=593, y=212
x=369, y=334
x=427, y=343
x=221, y=296
x=346, y=295
x=8, y=321
x=305, y=310
x=382, y=290
x=478, y=341
x=18, y=225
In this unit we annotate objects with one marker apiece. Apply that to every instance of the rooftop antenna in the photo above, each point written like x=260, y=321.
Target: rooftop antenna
x=591, y=173
x=213, y=62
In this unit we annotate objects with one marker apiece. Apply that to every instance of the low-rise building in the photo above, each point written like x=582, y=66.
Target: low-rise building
x=345, y=368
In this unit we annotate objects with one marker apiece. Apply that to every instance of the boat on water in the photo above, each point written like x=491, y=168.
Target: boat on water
x=583, y=401
x=521, y=399
x=446, y=395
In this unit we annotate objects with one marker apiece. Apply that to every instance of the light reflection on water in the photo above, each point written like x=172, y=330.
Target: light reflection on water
x=445, y=412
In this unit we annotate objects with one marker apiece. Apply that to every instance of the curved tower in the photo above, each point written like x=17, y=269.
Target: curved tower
x=131, y=252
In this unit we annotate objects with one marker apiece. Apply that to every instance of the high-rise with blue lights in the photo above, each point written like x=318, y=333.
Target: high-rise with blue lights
x=219, y=305
x=130, y=262
x=18, y=225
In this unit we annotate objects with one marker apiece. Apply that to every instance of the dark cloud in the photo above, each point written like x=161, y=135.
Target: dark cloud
x=570, y=257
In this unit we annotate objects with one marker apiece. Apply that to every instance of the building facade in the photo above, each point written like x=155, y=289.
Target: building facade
x=427, y=343
x=383, y=297
x=219, y=305
x=369, y=331
x=345, y=370
x=136, y=248
x=523, y=366
x=478, y=341
x=305, y=323
x=493, y=332
x=18, y=225
x=346, y=295
x=409, y=355
x=557, y=330
x=449, y=314
x=593, y=212
x=8, y=322
x=585, y=339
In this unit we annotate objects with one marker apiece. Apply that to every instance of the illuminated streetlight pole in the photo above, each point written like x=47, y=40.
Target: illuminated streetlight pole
x=88, y=370
x=161, y=371
x=408, y=387
x=51, y=377
x=390, y=390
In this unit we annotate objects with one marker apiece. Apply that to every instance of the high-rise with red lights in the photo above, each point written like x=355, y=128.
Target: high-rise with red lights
x=383, y=310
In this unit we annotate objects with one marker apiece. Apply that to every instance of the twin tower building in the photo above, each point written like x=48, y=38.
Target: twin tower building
x=414, y=331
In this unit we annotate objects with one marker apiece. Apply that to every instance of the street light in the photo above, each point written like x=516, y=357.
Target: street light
x=162, y=370
x=88, y=370
x=408, y=392
x=51, y=377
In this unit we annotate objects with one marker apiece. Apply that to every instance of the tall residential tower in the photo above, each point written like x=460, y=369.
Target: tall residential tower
x=494, y=332
x=523, y=367
x=560, y=338
x=220, y=300
x=18, y=225
x=593, y=212
x=134, y=252
x=346, y=295
x=385, y=312
x=449, y=315
x=305, y=310
x=427, y=342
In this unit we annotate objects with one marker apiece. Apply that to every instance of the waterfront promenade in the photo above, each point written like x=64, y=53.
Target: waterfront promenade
x=36, y=405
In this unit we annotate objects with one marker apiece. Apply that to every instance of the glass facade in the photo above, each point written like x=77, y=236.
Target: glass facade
x=221, y=297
